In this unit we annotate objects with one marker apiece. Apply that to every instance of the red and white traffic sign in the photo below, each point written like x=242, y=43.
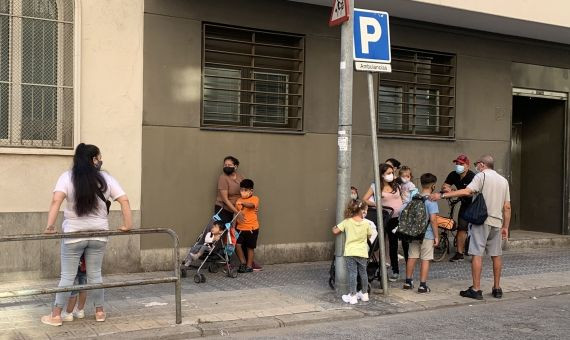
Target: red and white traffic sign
x=339, y=13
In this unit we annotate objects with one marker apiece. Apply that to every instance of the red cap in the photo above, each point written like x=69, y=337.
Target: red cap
x=461, y=159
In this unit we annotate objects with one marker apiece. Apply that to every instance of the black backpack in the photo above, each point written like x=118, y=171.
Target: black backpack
x=413, y=219
x=476, y=212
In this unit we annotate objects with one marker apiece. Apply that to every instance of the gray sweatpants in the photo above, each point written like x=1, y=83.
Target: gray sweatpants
x=356, y=265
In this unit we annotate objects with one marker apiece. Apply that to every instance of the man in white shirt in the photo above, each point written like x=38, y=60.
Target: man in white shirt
x=486, y=238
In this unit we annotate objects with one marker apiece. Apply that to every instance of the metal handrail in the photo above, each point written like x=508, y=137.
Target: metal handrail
x=168, y=279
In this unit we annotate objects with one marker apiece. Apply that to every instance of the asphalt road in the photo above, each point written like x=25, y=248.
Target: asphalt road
x=541, y=318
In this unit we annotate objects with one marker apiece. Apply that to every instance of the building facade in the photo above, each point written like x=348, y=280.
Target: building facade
x=258, y=79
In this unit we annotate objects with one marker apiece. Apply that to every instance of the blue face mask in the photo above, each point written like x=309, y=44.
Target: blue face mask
x=459, y=168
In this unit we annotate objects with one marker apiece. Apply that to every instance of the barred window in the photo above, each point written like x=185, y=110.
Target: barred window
x=418, y=97
x=36, y=73
x=252, y=78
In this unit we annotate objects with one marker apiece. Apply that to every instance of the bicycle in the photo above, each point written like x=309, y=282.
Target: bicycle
x=446, y=226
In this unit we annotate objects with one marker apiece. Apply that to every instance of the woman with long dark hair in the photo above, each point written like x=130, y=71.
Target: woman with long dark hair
x=390, y=197
x=87, y=190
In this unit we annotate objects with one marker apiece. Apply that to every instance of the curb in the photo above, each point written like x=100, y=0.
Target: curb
x=225, y=328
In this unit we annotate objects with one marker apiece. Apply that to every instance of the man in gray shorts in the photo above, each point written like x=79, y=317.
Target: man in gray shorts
x=486, y=238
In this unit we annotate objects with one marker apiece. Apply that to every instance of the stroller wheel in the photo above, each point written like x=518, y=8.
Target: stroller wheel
x=213, y=268
x=183, y=272
x=202, y=278
x=197, y=278
x=233, y=273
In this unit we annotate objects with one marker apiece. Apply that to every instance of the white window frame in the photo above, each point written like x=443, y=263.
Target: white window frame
x=13, y=123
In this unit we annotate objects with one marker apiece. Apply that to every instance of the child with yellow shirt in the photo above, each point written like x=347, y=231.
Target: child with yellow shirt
x=357, y=230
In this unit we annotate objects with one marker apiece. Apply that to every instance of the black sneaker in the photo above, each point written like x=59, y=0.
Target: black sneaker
x=423, y=289
x=242, y=268
x=408, y=285
x=497, y=293
x=472, y=294
x=458, y=257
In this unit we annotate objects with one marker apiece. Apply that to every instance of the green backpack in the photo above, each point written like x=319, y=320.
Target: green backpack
x=413, y=219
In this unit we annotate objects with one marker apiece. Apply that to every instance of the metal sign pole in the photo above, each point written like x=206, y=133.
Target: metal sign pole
x=344, y=143
x=378, y=190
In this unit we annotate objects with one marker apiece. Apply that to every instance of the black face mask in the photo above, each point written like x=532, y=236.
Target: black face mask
x=228, y=170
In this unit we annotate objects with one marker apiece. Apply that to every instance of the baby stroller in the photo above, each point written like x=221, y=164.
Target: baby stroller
x=218, y=255
x=373, y=264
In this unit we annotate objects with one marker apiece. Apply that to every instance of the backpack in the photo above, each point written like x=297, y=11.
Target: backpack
x=413, y=219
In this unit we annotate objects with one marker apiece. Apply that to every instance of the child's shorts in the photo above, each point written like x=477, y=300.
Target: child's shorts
x=80, y=279
x=423, y=250
x=248, y=238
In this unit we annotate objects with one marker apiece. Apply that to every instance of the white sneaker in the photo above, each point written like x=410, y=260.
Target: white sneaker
x=80, y=314
x=352, y=299
x=65, y=316
x=363, y=297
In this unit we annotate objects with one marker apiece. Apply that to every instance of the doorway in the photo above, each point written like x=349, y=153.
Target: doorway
x=537, y=162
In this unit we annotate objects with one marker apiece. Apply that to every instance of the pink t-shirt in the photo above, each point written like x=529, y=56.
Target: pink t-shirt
x=392, y=200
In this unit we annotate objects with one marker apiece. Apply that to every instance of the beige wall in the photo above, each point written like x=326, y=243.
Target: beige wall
x=553, y=12
x=110, y=117
x=110, y=113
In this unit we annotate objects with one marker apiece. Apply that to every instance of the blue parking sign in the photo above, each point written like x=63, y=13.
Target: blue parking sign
x=371, y=36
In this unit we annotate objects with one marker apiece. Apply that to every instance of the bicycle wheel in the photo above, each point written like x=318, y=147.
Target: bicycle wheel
x=442, y=248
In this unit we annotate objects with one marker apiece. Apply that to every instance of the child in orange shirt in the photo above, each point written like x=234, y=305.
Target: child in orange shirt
x=247, y=225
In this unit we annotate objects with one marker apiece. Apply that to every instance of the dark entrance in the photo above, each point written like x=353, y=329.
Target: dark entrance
x=537, y=164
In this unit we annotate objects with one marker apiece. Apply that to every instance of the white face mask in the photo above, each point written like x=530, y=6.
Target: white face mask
x=404, y=180
x=353, y=196
x=459, y=168
x=388, y=178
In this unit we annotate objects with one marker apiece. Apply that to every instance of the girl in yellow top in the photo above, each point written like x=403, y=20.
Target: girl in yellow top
x=357, y=231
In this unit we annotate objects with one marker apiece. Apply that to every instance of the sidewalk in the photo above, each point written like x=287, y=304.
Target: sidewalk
x=280, y=295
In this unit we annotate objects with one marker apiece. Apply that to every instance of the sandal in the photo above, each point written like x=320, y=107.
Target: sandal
x=100, y=316
x=52, y=321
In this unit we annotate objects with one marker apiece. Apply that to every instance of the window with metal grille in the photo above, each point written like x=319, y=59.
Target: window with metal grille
x=36, y=73
x=252, y=78
x=418, y=98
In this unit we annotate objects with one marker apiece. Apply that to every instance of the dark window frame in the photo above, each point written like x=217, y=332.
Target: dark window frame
x=254, y=54
x=424, y=104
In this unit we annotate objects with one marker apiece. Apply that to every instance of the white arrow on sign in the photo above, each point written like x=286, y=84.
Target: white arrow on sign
x=339, y=12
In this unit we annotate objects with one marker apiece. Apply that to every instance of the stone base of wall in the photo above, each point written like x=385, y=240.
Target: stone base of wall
x=41, y=259
x=161, y=259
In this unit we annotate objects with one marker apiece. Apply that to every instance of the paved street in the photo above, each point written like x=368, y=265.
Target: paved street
x=542, y=318
x=281, y=295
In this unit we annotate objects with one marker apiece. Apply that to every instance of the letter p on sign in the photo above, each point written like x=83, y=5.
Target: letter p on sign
x=368, y=37
x=371, y=36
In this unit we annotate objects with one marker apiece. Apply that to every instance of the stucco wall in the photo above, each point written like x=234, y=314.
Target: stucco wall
x=295, y=175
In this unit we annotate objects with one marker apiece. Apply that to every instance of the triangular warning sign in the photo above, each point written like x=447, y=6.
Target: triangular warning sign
x=339, y=13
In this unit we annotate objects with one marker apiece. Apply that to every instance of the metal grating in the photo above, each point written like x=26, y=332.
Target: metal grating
x=36, y=73
x=418, y=98
x=252, y=78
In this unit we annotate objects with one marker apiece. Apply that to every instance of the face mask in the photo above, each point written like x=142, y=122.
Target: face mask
x=99, y=165
x=404, y=180
x=353, y=196
x=363, y=214
x=228, y=170
x=388, y=178
x=459, y=168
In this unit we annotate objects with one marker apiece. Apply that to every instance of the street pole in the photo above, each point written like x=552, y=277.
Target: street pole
x=344, y=141
x=377, y=189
